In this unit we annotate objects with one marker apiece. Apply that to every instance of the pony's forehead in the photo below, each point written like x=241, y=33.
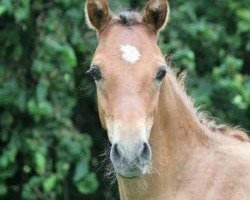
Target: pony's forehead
x=136, y=35
x=129, y=45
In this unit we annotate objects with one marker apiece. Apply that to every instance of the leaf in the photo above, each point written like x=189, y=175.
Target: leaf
x=244, y=14
x=49, y=183
x=40, y=162
x=69, y=56
x=3, y=189
x=3, y=9
x=87, y=185
x=41, y=90
x=22, y=12
x=8, y=171
x=31, y=188
x=81, y=170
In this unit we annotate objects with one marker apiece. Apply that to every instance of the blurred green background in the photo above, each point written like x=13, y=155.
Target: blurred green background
x=50, y=136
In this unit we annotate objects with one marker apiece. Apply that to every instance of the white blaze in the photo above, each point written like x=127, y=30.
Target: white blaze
x=130, y=53
x=117, y=130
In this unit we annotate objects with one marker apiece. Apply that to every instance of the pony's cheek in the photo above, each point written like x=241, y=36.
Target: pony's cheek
x=101, y=112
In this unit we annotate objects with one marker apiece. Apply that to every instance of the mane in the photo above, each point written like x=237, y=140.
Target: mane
x=206, y=120
x=129, y=18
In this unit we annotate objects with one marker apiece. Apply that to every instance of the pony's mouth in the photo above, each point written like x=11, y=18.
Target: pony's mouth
x=131, y=171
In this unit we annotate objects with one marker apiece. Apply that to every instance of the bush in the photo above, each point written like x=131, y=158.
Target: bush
x=48, y=115
x=43, y=155
x=211, y=41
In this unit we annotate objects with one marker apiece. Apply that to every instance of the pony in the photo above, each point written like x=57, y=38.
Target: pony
x=162, y=148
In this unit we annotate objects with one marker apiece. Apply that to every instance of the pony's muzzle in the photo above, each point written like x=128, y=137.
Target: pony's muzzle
x=131, y=160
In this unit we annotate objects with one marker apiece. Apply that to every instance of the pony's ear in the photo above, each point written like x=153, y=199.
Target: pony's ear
x=156, y=14
x=97, y=14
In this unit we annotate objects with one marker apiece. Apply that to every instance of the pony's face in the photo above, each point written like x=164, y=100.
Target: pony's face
x=128, y=69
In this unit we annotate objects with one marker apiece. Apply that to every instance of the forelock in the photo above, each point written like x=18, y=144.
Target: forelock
x=129, y=18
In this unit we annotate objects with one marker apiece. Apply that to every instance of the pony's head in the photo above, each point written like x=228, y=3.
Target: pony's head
x=128, y=68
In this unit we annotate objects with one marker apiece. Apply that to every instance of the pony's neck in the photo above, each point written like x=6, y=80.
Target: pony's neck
x=176, y=132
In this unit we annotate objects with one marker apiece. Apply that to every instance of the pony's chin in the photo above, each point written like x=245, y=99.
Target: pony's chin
x=135, y=173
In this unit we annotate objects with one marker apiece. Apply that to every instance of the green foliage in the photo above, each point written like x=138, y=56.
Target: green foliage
x=41, y=150
x=48, y=117
x=211, y=41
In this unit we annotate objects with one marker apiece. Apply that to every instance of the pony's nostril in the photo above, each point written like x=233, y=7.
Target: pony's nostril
x=146, y=152
x=115, y=152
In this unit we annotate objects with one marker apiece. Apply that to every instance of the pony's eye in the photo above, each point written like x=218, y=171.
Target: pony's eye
x=160, y=74
x=95, y=72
